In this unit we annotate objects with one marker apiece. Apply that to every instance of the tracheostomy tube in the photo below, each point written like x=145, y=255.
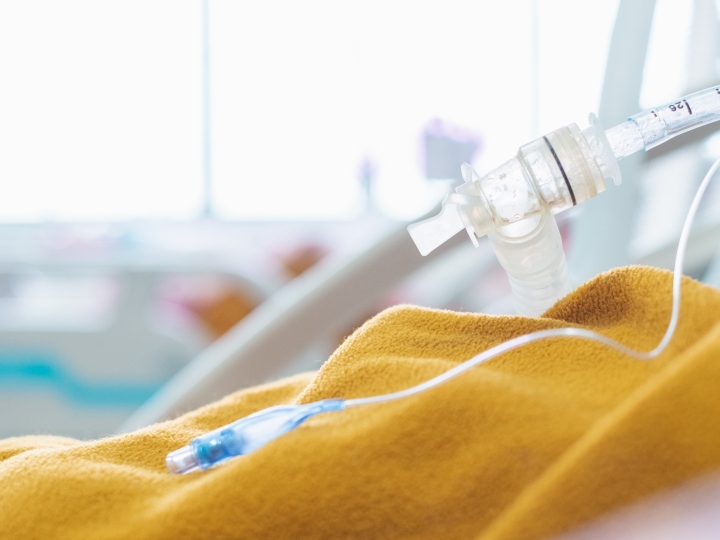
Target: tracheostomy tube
x=514, y=204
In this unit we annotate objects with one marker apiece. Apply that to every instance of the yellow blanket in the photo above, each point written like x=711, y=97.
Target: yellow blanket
x=526, y=446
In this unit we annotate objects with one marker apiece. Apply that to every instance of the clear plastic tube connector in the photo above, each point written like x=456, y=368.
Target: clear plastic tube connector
x=548, y=175
x=559, y=170
x=555, y=172
x=245, y=436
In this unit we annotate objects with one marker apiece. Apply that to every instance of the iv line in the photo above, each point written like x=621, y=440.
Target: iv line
x=252, y=432
x=548, y=175
x=519, y=341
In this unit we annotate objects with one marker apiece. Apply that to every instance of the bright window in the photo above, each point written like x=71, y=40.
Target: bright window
x=102, y=106
x=100, y=110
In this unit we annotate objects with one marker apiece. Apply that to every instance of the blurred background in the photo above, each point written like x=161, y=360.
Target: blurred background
x=201, y=195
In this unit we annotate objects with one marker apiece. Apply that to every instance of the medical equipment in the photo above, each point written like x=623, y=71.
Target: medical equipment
x=515, y=203
x=549, y=175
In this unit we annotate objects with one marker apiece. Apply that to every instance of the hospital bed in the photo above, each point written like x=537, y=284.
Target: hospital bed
x=94, y=349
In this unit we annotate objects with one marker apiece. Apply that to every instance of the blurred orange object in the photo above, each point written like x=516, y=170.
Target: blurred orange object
x=225, y=311
x=303, y=257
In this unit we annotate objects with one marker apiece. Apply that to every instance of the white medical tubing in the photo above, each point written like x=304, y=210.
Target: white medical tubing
x=255, y=431
x=519, y=341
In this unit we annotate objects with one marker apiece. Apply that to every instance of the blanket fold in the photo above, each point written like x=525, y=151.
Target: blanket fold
x=529, y=445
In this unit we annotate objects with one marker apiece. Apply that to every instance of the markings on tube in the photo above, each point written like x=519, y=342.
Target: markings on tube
x=557, y=160
x=679, y=105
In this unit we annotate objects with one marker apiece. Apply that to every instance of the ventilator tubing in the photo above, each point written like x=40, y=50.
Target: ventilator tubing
x=515, y=203
x=535, y=264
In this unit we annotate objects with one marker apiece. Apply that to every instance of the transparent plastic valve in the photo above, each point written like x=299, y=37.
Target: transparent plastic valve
x=548, y=175
x=559, y=170
x=514, y=203
x=245, y=435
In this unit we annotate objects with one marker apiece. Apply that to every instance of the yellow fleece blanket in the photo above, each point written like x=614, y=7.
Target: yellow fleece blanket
x=529, y=445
